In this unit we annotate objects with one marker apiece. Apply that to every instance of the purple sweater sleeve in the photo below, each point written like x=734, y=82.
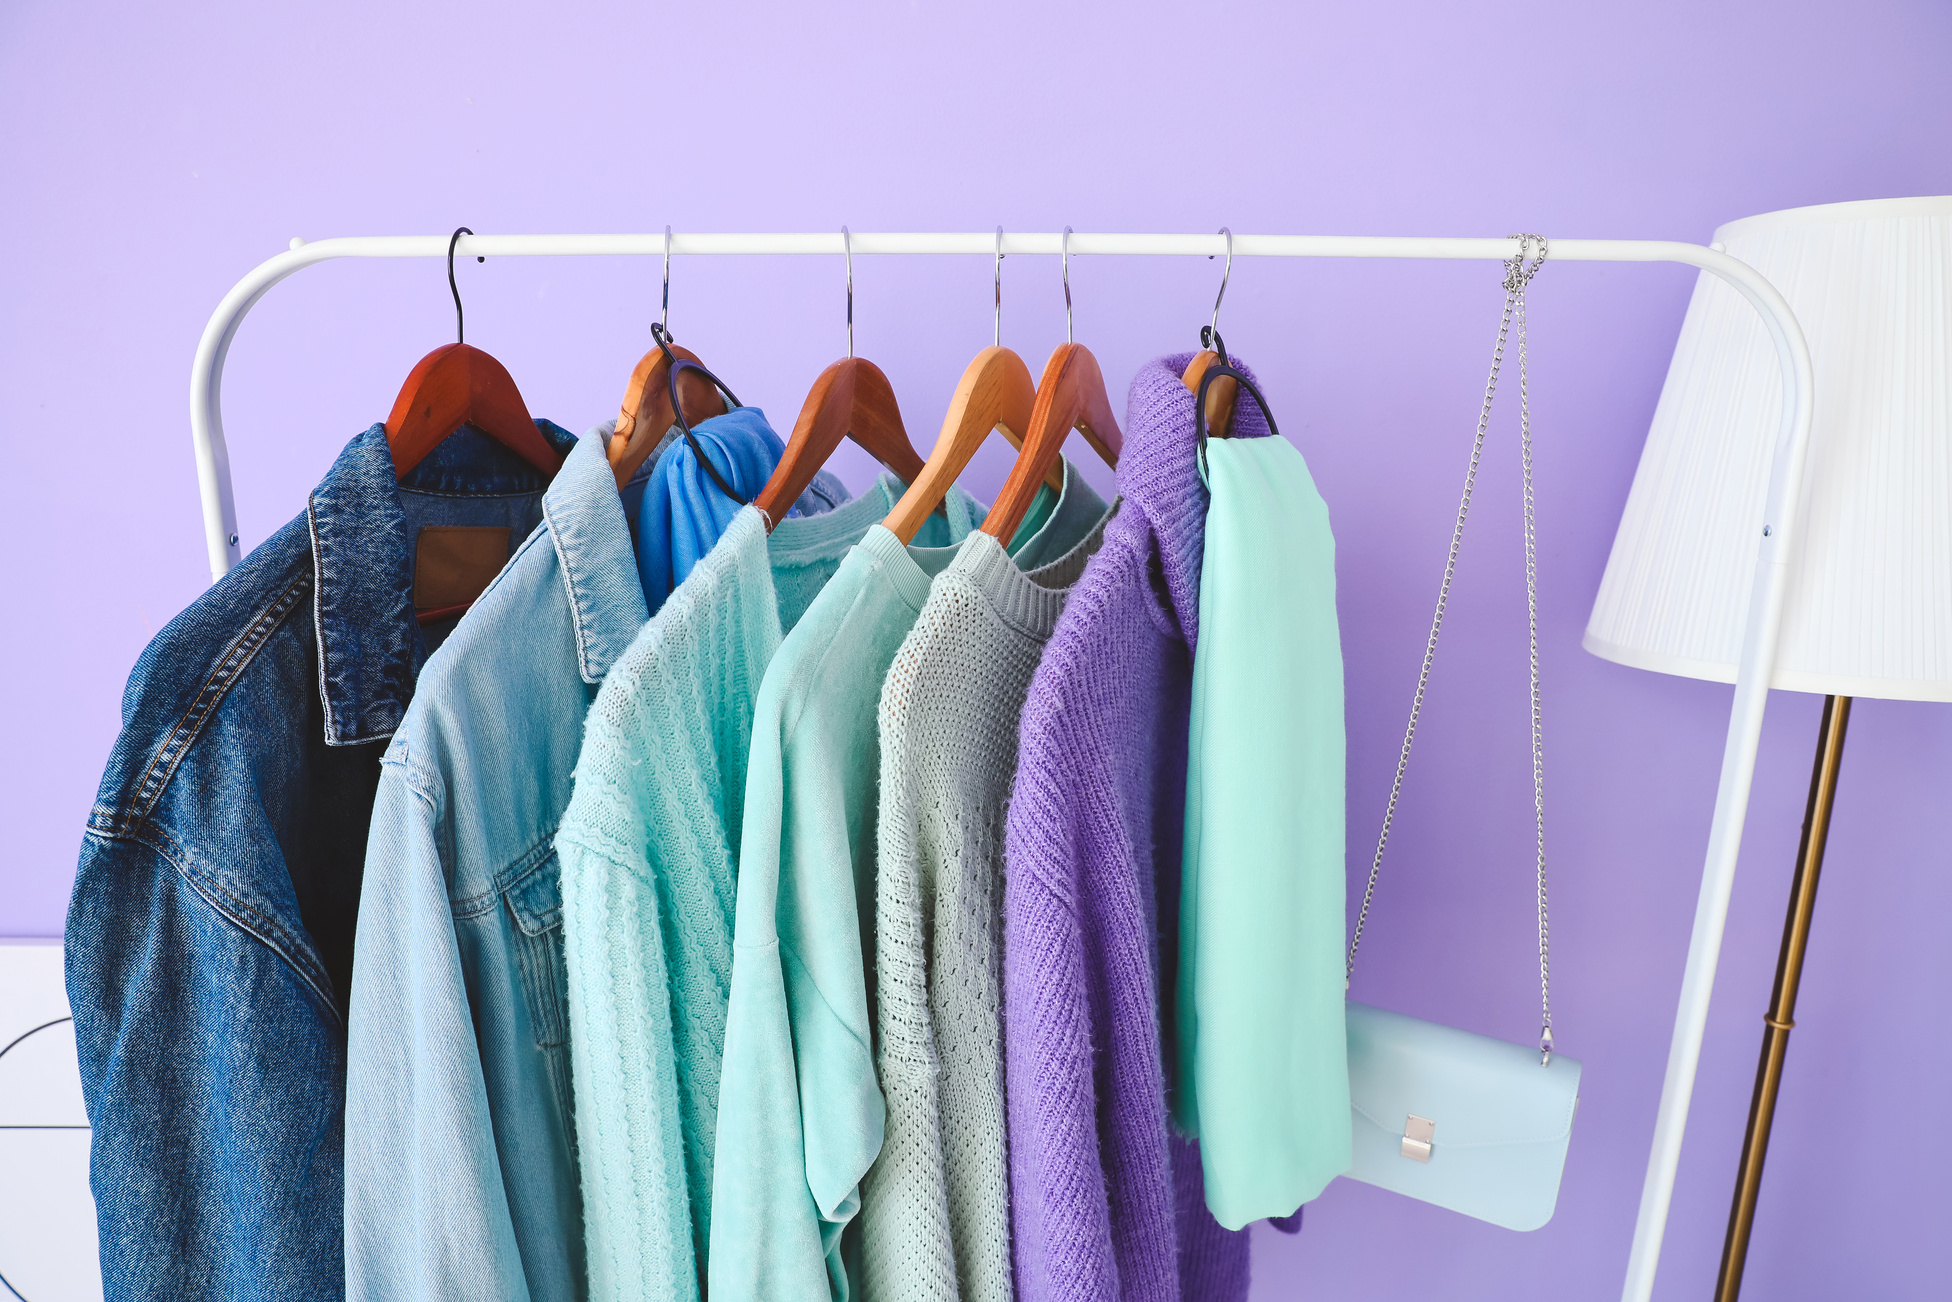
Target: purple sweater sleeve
x=1085, y=1081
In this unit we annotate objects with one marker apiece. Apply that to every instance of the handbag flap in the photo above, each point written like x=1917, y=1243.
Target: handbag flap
x=1479, y=1091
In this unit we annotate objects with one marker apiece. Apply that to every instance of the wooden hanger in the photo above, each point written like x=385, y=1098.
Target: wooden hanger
x=458, y=385
x=995, y=392
x=455, y=385
x=1220, y=394
x=851, y=397
x=646, y=412
x=1070, y=396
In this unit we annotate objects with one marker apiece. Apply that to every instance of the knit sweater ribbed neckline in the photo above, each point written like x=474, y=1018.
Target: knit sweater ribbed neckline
x=1028, y=601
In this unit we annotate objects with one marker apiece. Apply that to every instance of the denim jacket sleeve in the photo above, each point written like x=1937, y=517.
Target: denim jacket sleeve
x=154, y=979
x=426, y=1212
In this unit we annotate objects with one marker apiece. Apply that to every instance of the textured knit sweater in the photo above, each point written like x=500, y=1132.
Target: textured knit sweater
x=800, y=1110
x=1106, y=1202
x=648, y=848
x=936, y=1206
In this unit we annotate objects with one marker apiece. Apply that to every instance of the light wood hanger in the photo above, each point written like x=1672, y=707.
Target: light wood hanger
x=995, y=392
x=1071, y=395
x=1221, y=393
x=458, y=385
x=851, y=398
x=646, y=412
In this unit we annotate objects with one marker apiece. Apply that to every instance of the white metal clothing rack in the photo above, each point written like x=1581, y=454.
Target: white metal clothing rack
x=1765, y=600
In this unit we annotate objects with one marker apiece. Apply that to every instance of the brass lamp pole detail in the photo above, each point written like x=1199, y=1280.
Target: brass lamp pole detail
x=1781, y=1017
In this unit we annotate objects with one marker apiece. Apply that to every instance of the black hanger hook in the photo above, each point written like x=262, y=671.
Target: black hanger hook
x=1214, y=372
x=1210, y=338
x=460, y=332
x=673, y=365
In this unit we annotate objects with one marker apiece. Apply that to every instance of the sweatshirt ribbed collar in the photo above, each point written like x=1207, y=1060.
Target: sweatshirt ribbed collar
x=1158, y=472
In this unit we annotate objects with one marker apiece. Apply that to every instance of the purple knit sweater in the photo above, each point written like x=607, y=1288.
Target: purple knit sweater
x=1106, y=1205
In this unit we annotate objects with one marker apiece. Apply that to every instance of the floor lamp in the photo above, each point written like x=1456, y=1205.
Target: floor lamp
x=1869, y=608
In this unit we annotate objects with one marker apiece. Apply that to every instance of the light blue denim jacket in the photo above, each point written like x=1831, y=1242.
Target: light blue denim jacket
x=461, y=1177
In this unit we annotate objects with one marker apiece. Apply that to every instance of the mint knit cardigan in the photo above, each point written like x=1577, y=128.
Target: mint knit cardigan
x=1107, y=1204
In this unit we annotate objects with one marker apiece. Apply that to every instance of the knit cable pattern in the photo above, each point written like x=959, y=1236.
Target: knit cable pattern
x=649, y=860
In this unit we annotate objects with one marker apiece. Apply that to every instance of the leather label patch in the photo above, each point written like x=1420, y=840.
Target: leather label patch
x=452, y=563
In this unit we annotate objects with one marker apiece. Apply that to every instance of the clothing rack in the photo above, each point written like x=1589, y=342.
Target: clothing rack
x=1765, y=601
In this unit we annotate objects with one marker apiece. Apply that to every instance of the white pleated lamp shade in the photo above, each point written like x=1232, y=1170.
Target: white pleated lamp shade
x=1869, y=606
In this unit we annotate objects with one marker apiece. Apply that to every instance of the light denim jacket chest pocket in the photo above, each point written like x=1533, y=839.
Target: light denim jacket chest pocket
x=461, y=1175
x=534, y=901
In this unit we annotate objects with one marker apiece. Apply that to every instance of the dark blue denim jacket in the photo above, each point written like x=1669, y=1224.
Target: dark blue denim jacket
x=210, y=934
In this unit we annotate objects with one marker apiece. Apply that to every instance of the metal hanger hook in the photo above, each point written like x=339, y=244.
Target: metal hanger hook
x=999, y=287
x=847, y=248
x=1069, y=338
x=1225, y=276
x=460, y=331
x=664, y=311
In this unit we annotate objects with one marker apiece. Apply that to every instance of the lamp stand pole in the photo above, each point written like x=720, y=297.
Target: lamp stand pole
x=1781, y=1017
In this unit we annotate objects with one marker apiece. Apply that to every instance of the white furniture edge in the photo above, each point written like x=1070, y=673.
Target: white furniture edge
x=1765, y=600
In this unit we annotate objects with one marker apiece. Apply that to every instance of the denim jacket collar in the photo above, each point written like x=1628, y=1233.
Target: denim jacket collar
x=599, y=567
x=370, y=649
x=369, y=644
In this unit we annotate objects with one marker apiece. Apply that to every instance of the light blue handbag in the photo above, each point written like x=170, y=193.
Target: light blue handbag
x=1460, y=1120
x=1464, y=1121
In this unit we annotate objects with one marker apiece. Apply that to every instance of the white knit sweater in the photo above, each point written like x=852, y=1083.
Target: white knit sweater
x=936, y=1209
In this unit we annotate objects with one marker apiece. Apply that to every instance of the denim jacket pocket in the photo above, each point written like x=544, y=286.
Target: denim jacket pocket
x=536, y=905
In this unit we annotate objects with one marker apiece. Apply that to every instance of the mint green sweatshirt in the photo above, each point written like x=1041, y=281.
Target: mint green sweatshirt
x=648, y=849
x=800, y=1111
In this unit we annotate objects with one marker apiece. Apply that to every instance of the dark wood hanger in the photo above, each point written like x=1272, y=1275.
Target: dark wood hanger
x=995, y=393
x=457, y=384
x=852, y=398
x=1070, y=396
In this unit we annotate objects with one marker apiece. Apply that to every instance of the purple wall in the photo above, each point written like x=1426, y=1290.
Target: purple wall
x=152, y=155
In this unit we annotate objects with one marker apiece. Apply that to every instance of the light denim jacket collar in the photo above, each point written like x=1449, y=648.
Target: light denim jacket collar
x=592, y=540
x=370, y=649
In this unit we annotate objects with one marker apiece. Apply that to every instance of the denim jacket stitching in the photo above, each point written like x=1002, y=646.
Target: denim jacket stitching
x=318, y=622
x=583, y=657
x=232, y=663
x=508, y=878
x=251, y=921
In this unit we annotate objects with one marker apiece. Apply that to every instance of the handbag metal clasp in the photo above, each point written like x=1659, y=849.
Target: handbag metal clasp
x=1417, y=1134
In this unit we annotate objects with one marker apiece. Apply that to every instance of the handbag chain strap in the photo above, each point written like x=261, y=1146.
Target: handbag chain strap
x=1518, y=274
